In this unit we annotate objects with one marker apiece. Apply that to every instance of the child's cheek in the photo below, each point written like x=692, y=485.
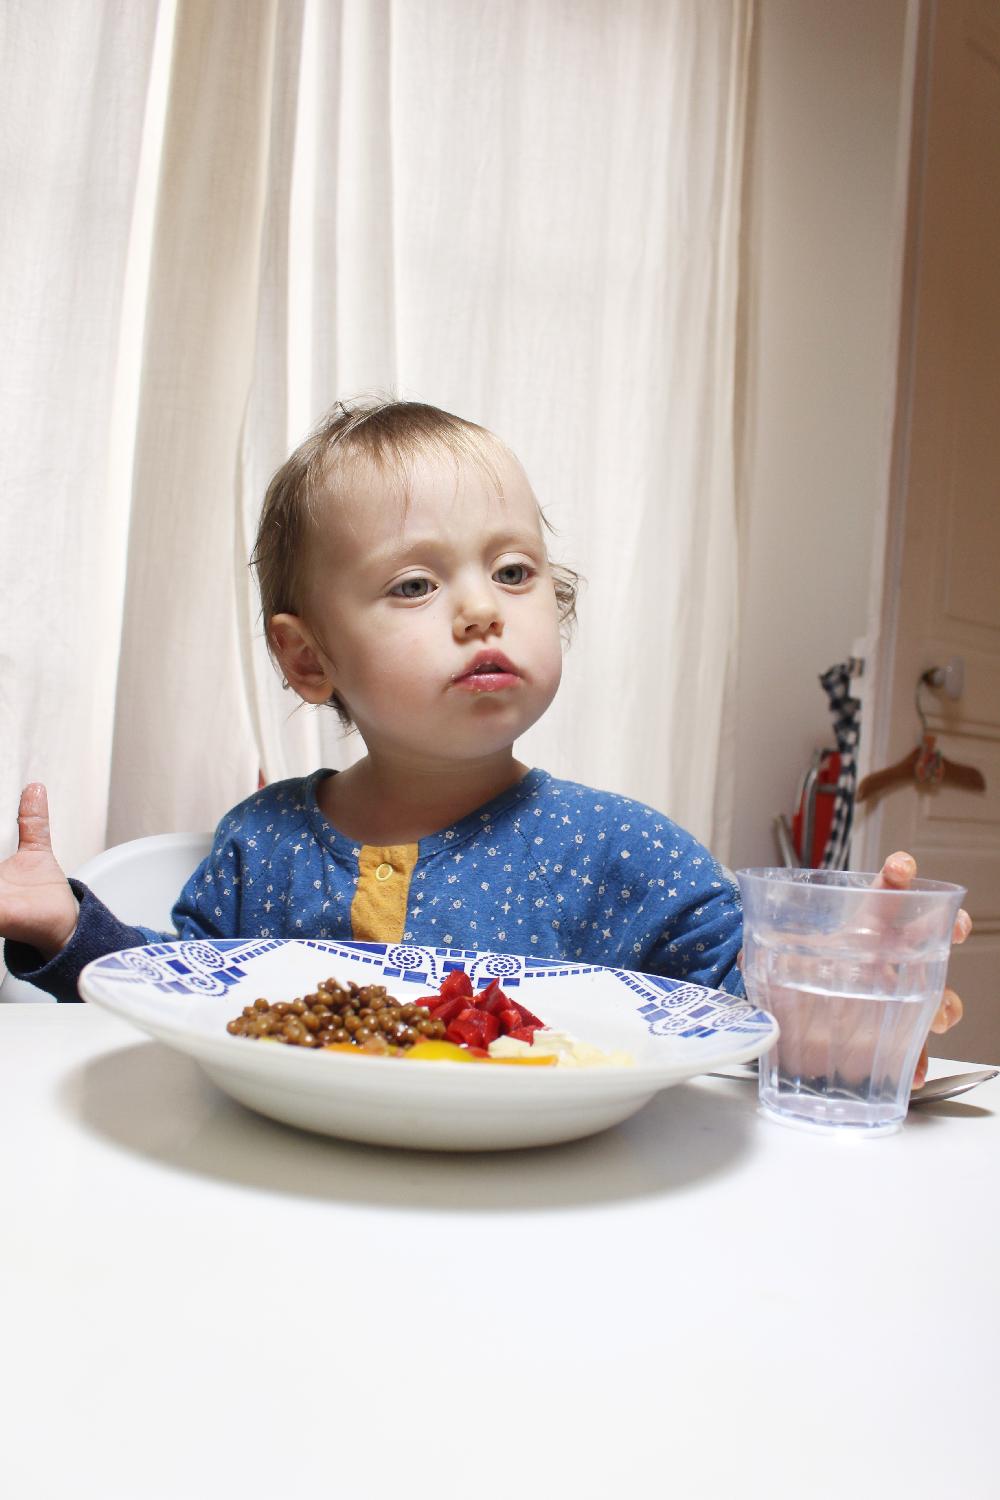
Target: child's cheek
x=550, y=662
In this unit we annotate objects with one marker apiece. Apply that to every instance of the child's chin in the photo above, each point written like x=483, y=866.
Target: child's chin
x=488, y=729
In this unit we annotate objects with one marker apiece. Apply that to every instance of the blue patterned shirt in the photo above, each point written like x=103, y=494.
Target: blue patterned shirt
x=549, y=868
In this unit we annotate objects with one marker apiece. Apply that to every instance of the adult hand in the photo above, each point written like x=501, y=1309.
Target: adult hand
x=37, y=905
x=897, y=872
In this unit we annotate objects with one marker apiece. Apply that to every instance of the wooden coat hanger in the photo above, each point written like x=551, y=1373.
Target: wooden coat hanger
x=925, y=765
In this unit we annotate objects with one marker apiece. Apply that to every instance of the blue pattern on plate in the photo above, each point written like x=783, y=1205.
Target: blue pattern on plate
x=669, y=1007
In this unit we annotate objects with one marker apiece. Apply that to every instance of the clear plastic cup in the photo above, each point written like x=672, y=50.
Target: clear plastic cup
x=853, y=976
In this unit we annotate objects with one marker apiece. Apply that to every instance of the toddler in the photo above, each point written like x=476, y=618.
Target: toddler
x=405, y=581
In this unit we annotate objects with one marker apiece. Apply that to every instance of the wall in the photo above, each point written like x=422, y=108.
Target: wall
x=824, y=211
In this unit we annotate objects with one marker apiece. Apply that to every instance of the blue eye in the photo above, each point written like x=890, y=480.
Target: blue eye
x=413, y=588
x=513, y=574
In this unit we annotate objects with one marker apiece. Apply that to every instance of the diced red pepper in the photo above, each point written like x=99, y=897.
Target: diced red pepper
x=450, y=1009
x=499, y=1003
x=455, y=982
x=496, y=1002
x=492, y=1028
x=474, y=1028
x=474, y=1021
x=464, y=1034
x=510, y=1019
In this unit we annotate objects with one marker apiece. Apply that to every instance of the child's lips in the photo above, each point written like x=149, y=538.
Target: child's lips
x=488, y=672
x=486, y=682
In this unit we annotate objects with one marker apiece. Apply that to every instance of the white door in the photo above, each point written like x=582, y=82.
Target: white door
x=942, y=595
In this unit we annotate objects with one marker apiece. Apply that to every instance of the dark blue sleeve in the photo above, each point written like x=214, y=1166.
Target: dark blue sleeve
x=209, y=906
x=98, y=932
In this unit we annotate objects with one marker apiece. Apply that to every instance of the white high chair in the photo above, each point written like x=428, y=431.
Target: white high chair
x=139, y=881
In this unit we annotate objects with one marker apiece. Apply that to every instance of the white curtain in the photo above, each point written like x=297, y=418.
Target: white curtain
x=76, y=84
x=524, y=211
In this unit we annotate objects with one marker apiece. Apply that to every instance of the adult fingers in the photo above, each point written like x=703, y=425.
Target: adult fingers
x=920, y=1071
x=33, y=820
x=962, y=927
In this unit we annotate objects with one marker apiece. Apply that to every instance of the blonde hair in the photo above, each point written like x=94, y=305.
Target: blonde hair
x=384, y=432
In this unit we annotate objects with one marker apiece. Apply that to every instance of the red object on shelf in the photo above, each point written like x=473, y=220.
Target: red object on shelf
x=821, y=804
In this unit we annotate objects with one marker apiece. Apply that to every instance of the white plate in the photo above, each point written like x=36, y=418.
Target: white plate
x=184, y=994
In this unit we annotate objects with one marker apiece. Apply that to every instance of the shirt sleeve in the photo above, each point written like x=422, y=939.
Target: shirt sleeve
x=206, y=908
x=98, y=932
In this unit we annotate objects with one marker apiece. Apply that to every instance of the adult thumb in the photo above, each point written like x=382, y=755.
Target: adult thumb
x=33, y=820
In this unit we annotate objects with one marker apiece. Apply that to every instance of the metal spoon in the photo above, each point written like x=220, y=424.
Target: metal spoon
x=947, y=1088
x=931, y=1092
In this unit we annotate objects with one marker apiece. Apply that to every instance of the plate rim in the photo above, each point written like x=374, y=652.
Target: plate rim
x=219, y=1049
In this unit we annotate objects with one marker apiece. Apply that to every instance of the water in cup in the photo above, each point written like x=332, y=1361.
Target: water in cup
x=845, y=1059
x=853, y=976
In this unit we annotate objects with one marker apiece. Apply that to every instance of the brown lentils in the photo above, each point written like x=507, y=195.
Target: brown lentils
x=363, y=1016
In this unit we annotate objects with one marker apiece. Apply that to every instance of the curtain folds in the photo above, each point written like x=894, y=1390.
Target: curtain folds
x=76, y=83
x=526, y=213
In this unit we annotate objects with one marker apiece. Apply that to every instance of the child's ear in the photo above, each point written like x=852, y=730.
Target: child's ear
x=303, y=662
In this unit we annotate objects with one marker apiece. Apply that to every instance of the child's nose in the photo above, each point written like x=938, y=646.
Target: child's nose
x=478, y=614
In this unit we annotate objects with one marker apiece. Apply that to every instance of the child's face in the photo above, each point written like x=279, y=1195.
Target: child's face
x=436, y=621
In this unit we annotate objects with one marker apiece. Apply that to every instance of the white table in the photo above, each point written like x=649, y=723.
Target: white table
x=199, y=1302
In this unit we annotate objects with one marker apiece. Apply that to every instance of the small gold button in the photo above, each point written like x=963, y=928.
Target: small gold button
x=383, y=872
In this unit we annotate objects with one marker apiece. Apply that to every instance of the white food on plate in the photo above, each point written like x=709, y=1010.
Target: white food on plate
x=568, y=1052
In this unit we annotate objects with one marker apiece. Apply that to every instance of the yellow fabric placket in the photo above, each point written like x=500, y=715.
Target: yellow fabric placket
x=378, y=911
